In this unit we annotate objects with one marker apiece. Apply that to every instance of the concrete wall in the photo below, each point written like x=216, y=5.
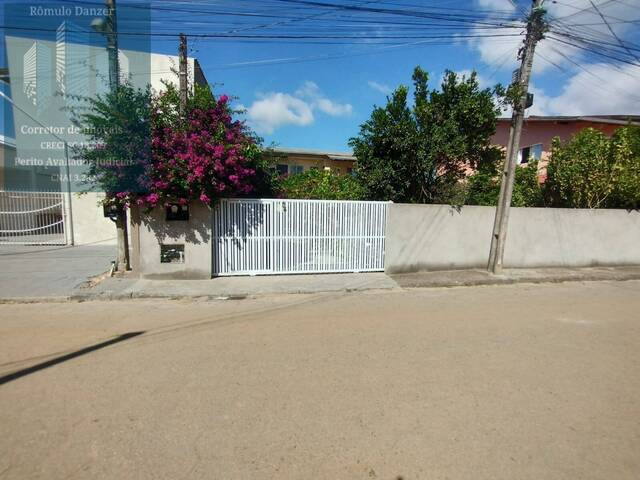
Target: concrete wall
x=153, y=230
x=440, y=237
x=89, y=224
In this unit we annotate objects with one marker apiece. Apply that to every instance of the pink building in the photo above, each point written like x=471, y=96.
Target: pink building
x=537, y=133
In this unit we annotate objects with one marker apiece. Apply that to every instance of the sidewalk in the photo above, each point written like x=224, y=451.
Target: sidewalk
x=243, y=287
x=50, y=271
x=234, y=287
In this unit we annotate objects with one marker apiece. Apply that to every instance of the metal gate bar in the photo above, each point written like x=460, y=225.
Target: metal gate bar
x=32, y=218
x=258, y=237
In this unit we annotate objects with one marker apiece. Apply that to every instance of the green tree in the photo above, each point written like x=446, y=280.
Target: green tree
x=582, y=173
x=315, y=184
x=118, y=127
x=419, y=154
x=626, y=148
x=483, y=187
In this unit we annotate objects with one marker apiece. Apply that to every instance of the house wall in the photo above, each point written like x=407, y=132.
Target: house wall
x=543, y=132
x=441, y=237
x=320, y=162
x=153, y=230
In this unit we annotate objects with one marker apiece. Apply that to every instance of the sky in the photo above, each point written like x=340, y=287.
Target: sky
x=314, y=93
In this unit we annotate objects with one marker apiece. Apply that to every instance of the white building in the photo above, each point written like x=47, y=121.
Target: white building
x=50, y=79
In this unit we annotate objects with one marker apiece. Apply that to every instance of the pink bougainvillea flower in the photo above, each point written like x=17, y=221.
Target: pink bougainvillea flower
x=152, y=198
x=200, y=161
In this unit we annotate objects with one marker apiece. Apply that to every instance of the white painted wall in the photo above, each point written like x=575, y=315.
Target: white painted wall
x=89, y=224
x=163, y=68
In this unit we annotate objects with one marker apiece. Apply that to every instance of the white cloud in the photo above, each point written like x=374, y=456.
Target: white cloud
x=332, y=108
x=542, y=103
x=585, y=94
x=275, y=109
x=500, y=52
x=312, y=93
x=380, y=87
x=497, y=5
x=309, y=90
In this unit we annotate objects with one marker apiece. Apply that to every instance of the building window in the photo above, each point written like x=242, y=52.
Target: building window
x=282, y=169
x=297, y=168
x=532, y=152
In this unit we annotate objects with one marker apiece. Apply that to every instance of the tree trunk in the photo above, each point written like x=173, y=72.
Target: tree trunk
x=122, y=264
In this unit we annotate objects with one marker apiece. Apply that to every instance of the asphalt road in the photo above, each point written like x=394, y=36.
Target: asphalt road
x=508, y=382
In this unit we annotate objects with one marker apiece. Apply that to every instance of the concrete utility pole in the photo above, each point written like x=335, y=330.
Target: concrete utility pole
x=535, y=31
x=111, y=32
x=183, y=74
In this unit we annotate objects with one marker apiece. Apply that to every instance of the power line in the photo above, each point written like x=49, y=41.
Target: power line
x=596, y=52
x=581, y=10
x=603, y=83
x=274, y=36
x=613, y=33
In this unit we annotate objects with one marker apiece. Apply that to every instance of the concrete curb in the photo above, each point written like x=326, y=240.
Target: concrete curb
x=146, y=296
x=447, y=279
x=82, y=297
x=479, y=278
x=27, y=300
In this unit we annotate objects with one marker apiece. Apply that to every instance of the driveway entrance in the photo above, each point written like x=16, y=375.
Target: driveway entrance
x=28, y=271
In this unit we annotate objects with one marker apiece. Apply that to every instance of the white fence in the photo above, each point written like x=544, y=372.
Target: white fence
x=254, y=237
x=32, y=218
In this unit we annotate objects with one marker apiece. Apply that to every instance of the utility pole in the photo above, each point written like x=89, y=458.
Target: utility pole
x=111, y=31
x=183, y=74
x=536, y=27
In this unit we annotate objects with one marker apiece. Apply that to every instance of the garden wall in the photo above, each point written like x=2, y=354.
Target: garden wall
x=441, y=237
x=178, y=249
x=90, y=227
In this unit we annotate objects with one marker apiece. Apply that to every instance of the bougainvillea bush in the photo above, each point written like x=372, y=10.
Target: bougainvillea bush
x=203, y=154
x=206, y=156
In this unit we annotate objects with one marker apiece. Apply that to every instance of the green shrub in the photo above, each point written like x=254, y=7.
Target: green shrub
x=595, y=171
x=315, y=184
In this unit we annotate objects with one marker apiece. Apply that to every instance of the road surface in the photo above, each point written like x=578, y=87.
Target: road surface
x=523, y=381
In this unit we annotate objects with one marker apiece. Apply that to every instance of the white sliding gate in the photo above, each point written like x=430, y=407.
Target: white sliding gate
x=260, y=237
x=32, y=218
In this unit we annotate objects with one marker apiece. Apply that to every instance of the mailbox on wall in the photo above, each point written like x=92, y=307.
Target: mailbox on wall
x=177, y=212
x=111, y=211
